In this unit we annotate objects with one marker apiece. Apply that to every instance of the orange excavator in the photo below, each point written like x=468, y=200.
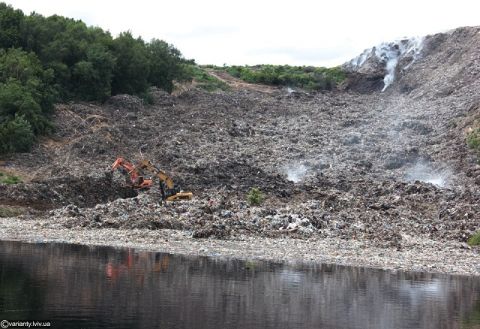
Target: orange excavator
x=136, y=179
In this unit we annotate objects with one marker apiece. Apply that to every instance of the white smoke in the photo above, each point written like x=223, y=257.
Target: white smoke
x=424, y=172
x=360, y=59
x=296, y=173
x=390, y=54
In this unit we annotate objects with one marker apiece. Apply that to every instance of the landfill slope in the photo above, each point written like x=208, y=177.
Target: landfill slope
x=355, y=164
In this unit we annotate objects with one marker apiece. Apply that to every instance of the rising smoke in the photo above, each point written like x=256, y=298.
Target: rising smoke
x=296, y=172
x=389, y=54
x=424, y=172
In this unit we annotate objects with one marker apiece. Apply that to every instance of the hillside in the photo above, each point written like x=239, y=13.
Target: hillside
x=389, y=169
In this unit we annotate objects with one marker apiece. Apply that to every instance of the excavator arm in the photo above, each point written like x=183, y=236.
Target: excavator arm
x=133, y=177
x=162, y=176
x=167, y=187
x=137, y=180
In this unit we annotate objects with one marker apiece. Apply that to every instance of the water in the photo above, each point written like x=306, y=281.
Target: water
x=80, y=287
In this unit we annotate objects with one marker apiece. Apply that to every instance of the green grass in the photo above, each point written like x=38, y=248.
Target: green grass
x=474, y=239
x=306, y=77
x=473, y=139
x=206, y=81
x=9, y=179
x=10, y=212
x=255, y=197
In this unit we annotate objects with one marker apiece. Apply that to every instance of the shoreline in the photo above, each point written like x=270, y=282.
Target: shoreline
x=416, y=254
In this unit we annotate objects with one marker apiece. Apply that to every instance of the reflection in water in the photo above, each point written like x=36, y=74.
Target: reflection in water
x=81, y=287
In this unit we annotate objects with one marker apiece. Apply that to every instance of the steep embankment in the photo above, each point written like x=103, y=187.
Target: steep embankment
x=360, y=166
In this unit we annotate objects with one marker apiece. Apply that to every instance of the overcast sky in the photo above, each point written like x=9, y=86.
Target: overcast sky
x=298, y=32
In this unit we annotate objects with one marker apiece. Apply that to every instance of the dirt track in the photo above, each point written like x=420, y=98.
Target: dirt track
x=373, y=167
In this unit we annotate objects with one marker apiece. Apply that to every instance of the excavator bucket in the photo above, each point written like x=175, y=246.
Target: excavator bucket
x=180, y=196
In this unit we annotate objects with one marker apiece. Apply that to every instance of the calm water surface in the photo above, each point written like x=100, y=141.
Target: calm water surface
x=83, y=287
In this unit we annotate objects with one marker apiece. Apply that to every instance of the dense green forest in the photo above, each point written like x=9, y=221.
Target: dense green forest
x=44, y=60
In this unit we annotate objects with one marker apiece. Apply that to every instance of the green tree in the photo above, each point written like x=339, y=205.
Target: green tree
x=11, y=21
x=27, y=70
x=79, y=55
x=92, y=77
x=25, y=89
x=132, y=67
x=166, y=65
x=16, y=99
x=16, y=135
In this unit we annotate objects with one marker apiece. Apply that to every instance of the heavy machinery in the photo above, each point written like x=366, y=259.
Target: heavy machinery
x=136, y=179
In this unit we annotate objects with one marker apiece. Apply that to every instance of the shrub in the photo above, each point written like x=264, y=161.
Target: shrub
x=147, y=98
x=473, y=139
x=9, y=179
x=204, y=80
x=474, y=239
x=16, y=135
x=307, y=77
x=19, y=100
x=26, y=100
x=255, y=197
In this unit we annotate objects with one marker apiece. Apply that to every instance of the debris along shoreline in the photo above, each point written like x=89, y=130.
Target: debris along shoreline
x=417, y=254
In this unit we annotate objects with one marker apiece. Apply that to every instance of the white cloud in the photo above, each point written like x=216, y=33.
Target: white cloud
x=298, y=32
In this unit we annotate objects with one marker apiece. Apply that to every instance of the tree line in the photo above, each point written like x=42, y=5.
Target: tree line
x=44, y=60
